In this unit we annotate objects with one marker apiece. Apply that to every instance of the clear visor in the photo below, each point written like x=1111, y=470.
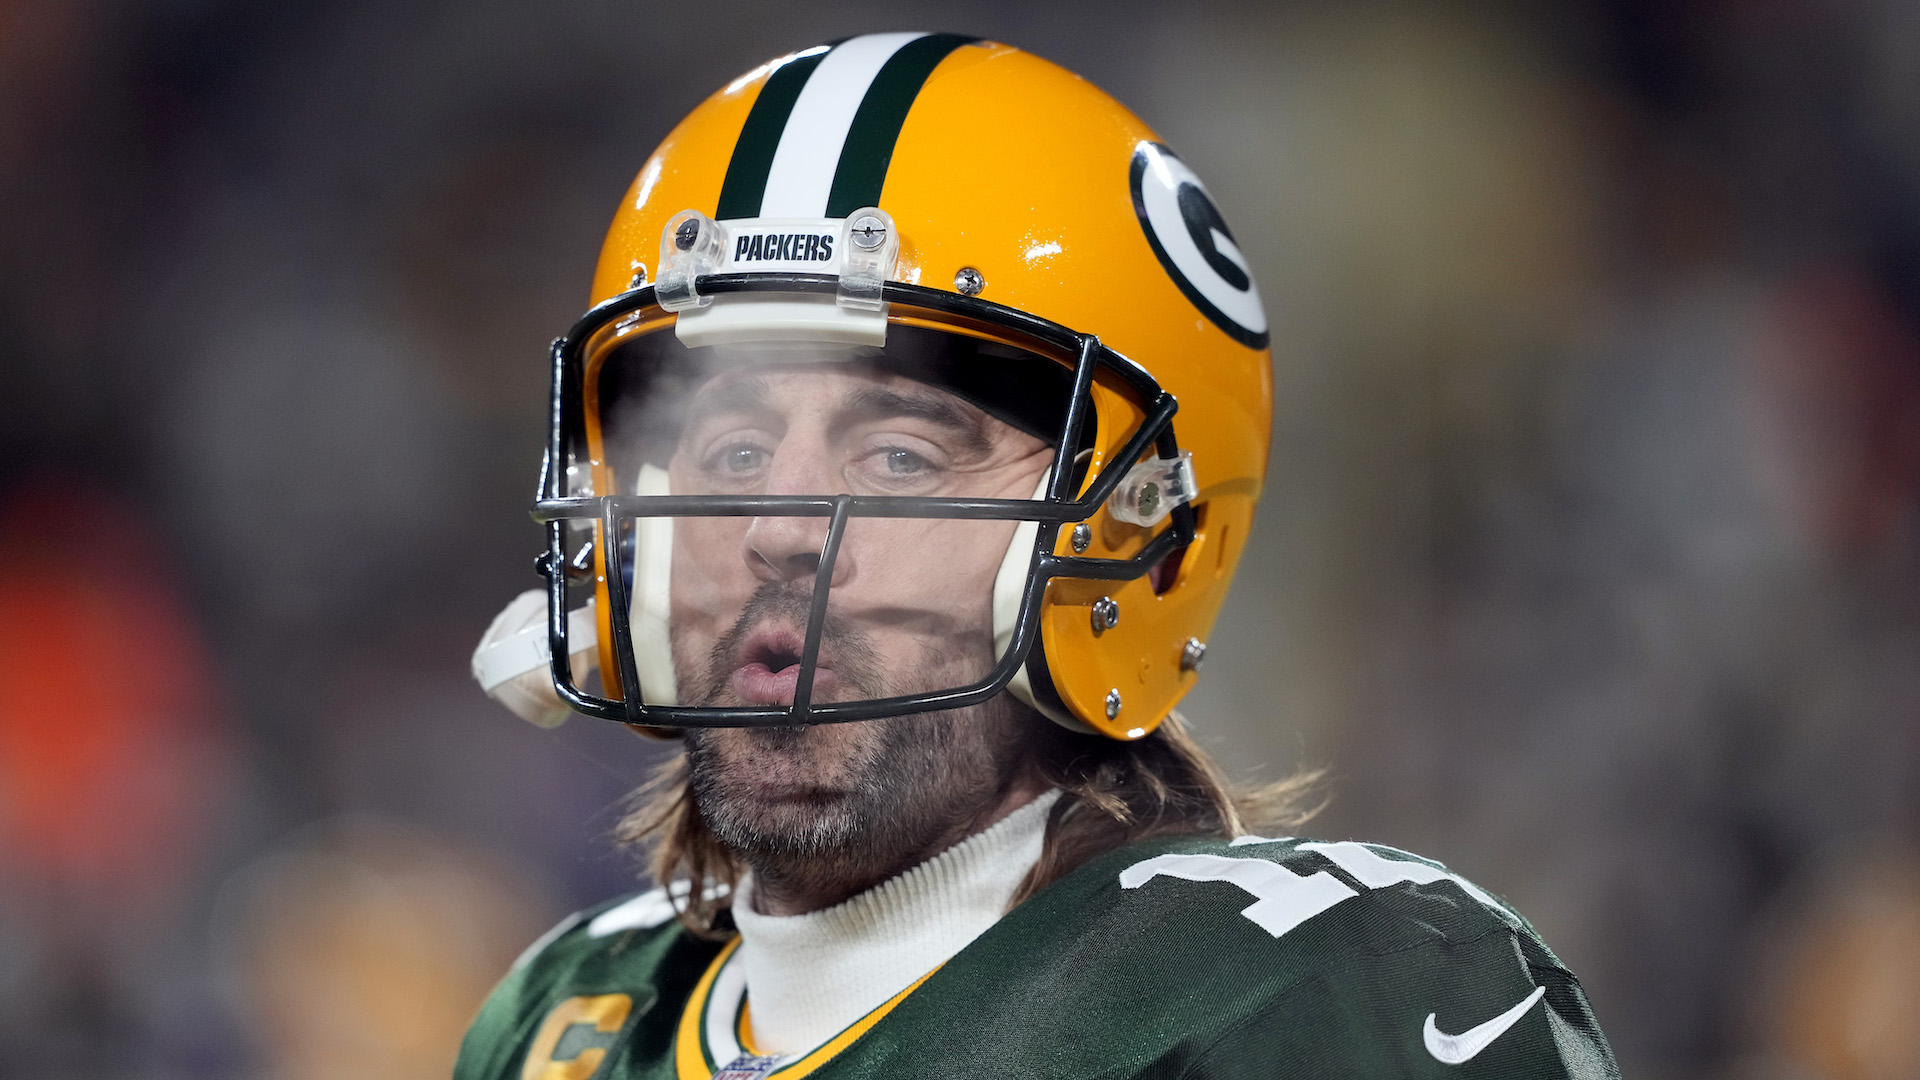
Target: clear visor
x=812, y=524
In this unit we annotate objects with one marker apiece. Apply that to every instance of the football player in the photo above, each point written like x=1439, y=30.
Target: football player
x=900, y=470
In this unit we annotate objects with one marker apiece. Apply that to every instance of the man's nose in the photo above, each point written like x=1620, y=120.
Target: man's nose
x=789, y=548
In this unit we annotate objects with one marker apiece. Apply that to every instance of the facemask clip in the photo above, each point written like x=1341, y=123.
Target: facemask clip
x=691, y=245
x=1151, y=489
x=869, y=247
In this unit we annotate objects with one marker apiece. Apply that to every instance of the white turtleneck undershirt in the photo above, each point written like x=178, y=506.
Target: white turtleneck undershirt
x=810, y=976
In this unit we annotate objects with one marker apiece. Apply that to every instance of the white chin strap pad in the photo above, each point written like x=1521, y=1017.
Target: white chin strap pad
x=512, y=661
x=1008, y=585
x=647, y=612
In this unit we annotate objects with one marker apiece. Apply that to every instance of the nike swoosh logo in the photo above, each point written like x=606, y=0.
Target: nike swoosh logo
x=1457, y=1049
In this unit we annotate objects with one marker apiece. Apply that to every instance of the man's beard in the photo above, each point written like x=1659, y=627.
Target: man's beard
x=903, y=782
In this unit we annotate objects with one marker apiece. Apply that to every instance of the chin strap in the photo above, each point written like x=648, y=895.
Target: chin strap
x=512, y=662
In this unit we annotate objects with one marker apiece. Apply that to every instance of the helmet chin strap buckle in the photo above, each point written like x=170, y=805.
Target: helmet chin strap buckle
x=1151, y=489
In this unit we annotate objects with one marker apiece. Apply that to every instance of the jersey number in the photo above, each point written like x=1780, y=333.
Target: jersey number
x=1284, y=899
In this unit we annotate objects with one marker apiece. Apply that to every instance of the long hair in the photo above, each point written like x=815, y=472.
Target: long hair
x=1112, y=793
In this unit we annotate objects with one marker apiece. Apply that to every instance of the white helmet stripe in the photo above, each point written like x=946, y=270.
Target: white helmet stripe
x=809, y=149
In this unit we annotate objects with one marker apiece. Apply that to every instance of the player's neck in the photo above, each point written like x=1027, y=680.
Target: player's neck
x=798, y=886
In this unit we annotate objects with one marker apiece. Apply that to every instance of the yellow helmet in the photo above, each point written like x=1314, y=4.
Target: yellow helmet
x=875, y=195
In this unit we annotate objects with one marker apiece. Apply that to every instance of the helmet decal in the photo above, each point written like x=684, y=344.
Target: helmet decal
x=820, y=136
x=1193, y=243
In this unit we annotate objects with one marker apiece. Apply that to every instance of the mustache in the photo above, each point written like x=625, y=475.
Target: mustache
x=856, y=663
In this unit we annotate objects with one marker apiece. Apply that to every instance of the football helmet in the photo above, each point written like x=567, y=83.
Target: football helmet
x=956, y=214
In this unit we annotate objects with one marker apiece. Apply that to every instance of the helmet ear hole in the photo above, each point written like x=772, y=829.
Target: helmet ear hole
x=1167, y=571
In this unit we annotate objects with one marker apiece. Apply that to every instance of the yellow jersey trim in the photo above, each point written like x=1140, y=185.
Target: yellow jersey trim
x=693, y=1060
x=689, y=1044
x=743, y=1030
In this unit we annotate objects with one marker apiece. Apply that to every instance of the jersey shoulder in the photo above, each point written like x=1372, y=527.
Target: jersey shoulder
x=1332, y=958
x=1307, y=905
x=592, y=980
x=1293, y=880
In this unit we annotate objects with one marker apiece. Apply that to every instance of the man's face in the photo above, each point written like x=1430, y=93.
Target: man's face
x=909, y=609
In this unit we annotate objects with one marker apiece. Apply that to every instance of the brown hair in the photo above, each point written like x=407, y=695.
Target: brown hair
x=1112, y=793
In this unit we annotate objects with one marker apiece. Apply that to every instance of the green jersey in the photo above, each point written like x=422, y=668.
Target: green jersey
x=1174, y=957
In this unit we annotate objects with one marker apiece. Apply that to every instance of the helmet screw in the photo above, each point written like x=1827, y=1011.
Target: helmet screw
x=686, y=234
x=1113, y=703
x=582, y=561
x=1149, y=501
x=1082, y=536
x=1193, y=654
x=1106, y=614
x=968, y=281
x=868, y=232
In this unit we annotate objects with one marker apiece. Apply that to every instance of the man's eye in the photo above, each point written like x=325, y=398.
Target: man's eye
x=904, y=462
x=740, y=459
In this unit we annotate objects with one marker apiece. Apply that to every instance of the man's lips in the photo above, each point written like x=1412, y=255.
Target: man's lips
x=769, y=669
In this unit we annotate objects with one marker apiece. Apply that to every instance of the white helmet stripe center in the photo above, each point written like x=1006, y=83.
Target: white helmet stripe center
x=809, y=150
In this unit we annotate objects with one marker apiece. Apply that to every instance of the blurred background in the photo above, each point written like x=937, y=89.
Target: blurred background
x=1588, y=561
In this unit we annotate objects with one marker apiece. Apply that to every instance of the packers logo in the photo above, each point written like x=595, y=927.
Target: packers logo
x=783, y=247
x=1194, y=244
x=577, y=1037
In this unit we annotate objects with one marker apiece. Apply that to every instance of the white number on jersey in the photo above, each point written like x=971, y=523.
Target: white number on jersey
x=1284, y=899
